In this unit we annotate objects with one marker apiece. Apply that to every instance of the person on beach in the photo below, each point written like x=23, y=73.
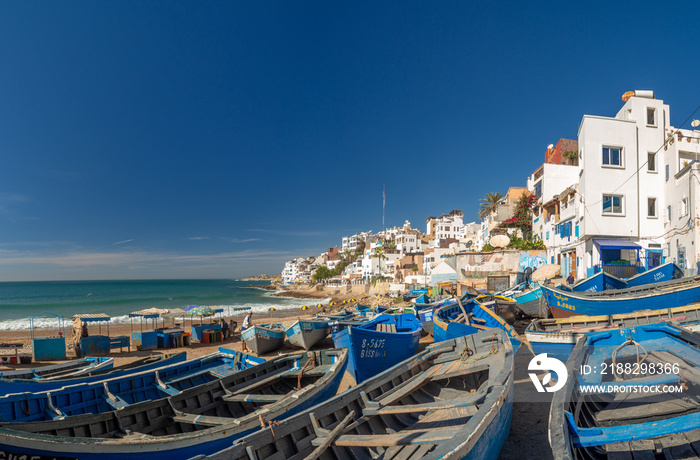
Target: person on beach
x=247, y=322
x=570, y=279
x=224, y=328
x=77, y=335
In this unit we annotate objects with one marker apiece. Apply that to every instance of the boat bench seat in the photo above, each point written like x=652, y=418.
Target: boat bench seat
x=254, y=398
x=223, y=371
x=398, y=439
x=115, y=401
x=207, y=420
x=386, y=327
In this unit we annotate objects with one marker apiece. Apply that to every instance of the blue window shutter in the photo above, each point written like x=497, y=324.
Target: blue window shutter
x=576, y=231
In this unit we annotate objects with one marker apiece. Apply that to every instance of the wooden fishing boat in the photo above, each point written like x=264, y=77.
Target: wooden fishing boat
x=264, y=338
x=670, y=294
x=528, y=299
x=557, y=337
x=116, y=393
x=76, y=366
x=202, y=419
x=619, y=418
x=602, y=281
x=307, y=333
x=469, y=318
x=503, y=306
x=426, y=318
x=454, y=401
x=87, y=374
x=379, y=343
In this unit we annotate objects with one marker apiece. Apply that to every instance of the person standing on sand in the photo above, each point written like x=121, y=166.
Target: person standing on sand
x=224, y=329
x=247, y=322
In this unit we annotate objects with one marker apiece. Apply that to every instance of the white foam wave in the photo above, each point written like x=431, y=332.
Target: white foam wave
x=229, y=310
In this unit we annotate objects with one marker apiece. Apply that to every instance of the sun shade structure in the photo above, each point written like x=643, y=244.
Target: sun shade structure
x=616, y=244
x=546, y=272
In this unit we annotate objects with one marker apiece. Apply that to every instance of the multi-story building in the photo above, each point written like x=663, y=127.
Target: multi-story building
x=621, y=187
x=445, y=229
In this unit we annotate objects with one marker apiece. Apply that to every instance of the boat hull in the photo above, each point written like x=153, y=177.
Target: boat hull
x=8, y=386
x=372, y=351
x=16, y=444
x=306, y=334
x=262, y=339
x=563, y=304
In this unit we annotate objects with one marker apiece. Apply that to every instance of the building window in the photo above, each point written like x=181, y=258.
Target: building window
x=612, y=156
x=538, y=188
x=668, y=210
x=667, y=172
x=651, y=162
x=651, y=207
x=651, y=116
x=683, y=208
x=613, y=205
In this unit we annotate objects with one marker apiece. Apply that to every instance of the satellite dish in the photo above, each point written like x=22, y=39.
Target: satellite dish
x=550, y=146
x=469, y=244
x=499, y=241
x=695, y=123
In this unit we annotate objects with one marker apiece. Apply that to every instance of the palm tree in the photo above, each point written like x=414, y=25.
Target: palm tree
x=489, y=204
x=379, y=254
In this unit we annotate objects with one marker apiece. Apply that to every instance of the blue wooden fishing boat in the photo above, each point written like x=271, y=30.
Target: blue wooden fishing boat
x=76, y=366
x=87, y=374
x=308, y=332
x=602, y=281
x=119, y=392
x=612, y=404
x=202, y=419
x=528, y=299
x=264, y=338
x=557, y=337
x=469, y=318
x=378, y=344
x=454, y=400
x=668, y=294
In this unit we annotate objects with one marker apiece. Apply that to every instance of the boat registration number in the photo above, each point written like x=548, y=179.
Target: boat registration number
x=5, y=455
x=373, y=348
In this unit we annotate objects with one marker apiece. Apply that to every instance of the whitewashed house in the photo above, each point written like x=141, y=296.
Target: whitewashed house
x=622, y=187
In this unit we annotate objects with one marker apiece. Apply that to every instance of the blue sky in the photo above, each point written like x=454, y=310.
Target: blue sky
x=220, y=139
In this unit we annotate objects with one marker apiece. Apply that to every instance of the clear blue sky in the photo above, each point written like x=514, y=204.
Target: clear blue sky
x=220, y=139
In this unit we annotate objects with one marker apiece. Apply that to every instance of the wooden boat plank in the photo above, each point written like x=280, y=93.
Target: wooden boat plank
x=643, y=449
x=469, y=404
x=619, y=451
x=332, y=436
x=676, y=447
x=258, y=381
x=694, y=439
x=198, y=419
x=255, y=398
x=405, y=437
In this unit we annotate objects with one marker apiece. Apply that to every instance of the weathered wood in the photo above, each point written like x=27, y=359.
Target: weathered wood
x=331, y=437
x=619, y=451
x=676, y=447
x=405, y=437
x=469, y=403
x=643, y=449
x=196, y=419
x=254, y=398
x=258, y=381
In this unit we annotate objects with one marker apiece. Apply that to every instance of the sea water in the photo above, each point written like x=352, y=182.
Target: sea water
x=20, y=301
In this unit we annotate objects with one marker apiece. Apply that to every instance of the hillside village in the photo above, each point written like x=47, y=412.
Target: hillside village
x=621, y=198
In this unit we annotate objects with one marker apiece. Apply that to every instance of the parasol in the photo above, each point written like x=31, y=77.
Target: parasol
x=199, y=311
x=545, y=272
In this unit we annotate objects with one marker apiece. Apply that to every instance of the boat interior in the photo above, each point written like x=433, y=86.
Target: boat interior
x=224, y=401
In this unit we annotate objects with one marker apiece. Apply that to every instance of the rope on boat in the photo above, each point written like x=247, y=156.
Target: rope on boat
x=629, y=341
x=312, y=361
x=269, y=424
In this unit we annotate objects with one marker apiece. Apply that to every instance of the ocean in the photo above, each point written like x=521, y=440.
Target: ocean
x=19, y=301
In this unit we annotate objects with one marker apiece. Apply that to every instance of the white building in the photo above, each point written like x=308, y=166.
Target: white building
x=621, y=186
x=444, y=228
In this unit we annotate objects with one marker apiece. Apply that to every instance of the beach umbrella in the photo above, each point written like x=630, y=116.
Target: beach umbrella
x=333, y=303
x=200, y=311
x=319, y=305
x=271, y=309
x=545, y=272
x=499, y=241
x=191, y=307
x=153, y=311
x=304, y=307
